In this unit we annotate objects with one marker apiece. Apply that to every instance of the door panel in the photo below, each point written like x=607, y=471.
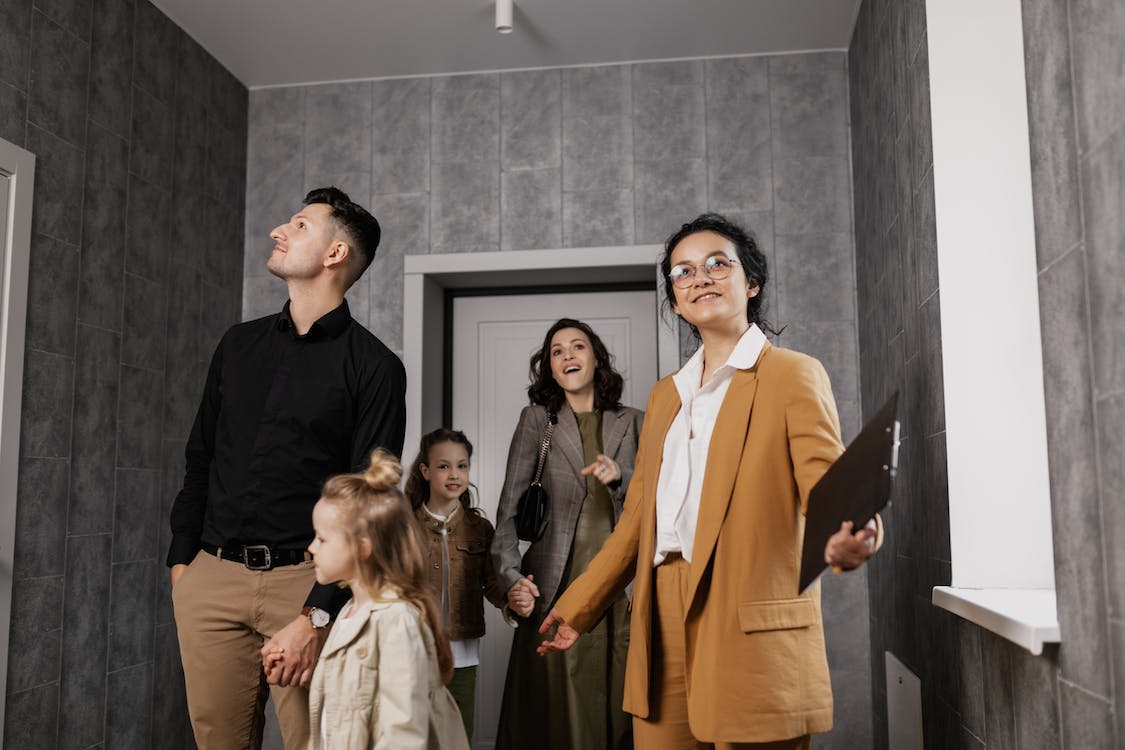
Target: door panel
x=493, y=339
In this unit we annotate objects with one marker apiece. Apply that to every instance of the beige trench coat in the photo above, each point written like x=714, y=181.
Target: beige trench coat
x=378, y=685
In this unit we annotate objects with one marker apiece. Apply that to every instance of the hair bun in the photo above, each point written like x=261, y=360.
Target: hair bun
x=384, y=472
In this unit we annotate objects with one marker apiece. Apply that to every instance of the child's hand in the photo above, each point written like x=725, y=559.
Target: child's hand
x=521, y=596
x=272, y=660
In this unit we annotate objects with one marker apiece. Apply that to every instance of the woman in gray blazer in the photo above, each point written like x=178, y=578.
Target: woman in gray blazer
x=572, y=699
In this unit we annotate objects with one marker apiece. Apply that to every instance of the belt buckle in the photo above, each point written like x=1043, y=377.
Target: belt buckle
x=257, y=557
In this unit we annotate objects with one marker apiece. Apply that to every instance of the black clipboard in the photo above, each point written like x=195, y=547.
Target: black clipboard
x=855, y=488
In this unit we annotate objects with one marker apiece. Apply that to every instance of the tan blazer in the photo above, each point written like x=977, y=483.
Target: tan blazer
x=756, y=665
x=377, y=685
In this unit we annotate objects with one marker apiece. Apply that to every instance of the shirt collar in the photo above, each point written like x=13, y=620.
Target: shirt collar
x=743, y=357
x=748, y=349
x=331, y=324
x=442, y=519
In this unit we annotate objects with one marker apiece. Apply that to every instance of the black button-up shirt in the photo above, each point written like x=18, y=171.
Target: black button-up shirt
x=280, y=414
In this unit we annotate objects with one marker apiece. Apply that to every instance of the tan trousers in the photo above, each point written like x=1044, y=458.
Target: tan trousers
x=224, y=615
x=666, y=727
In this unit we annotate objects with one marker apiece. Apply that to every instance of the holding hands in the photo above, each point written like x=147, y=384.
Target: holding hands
x=271, y=661
x=522, y=596
x=604, y=469
x=290, y=656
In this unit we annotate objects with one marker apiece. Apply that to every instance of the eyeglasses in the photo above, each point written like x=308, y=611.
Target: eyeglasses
x=716, y=268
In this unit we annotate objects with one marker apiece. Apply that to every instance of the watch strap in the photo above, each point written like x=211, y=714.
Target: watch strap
x=308, y=611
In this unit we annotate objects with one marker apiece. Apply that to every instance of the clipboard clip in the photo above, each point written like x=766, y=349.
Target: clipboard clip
x=896, y=441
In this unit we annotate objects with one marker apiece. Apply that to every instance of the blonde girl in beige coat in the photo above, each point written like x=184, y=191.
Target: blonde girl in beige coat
x=380, y=680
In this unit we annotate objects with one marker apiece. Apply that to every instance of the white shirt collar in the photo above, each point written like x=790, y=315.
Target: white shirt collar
x=439, y=518
x=743, y=357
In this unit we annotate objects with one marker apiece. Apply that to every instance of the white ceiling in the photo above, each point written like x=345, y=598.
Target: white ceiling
x=278, y=42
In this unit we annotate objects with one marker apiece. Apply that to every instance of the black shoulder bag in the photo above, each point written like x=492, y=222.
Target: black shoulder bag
x=534, y=505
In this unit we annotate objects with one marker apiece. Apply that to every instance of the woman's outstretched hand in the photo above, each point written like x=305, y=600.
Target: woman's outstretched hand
x=847, y=551
x=565, y=636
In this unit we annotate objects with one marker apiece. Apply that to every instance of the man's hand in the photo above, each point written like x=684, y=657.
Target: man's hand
x=522, y=595
x=290, y=656
x=565, y=636
x=177, y=573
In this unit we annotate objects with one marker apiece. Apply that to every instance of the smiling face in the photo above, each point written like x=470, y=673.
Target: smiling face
x=708, y=303
x=302, y=244
x=572, y=361
x=447, y=471
x=333, y=555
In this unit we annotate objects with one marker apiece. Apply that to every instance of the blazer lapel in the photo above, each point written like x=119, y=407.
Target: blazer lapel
x=566, y=439
x=614, y=425
x=665, y=406
x=723, y=458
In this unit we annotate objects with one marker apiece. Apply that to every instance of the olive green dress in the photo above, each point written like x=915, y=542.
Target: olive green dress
x=572, y=700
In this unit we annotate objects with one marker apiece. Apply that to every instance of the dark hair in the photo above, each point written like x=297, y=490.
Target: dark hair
x=360, y=227
x=417, y=488
x=544, y=391
x=750, y=257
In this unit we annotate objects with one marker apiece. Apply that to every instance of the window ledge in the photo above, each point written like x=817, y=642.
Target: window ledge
x=1026, y=617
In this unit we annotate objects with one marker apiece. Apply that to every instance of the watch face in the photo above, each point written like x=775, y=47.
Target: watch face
x=319, y=618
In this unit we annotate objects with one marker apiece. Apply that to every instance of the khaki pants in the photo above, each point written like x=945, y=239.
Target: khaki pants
x=666, y=727
x=224, y=615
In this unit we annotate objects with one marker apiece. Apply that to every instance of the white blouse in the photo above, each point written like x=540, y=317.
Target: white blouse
x=687, y=443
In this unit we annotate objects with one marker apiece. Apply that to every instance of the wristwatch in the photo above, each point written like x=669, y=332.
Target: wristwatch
x=317, y=616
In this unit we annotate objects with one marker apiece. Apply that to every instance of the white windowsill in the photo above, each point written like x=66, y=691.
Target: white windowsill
x=1026, y=617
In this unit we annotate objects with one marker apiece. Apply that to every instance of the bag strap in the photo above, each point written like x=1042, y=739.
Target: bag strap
x=545, y=445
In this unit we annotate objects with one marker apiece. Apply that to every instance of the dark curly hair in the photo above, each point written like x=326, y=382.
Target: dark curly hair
x=750, y=257
x=545, y=391
x=417, y=488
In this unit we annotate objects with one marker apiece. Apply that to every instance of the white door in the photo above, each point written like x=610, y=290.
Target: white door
x=493, y=339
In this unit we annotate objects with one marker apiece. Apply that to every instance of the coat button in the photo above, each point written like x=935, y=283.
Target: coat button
x=361, y=653
x=437, y=566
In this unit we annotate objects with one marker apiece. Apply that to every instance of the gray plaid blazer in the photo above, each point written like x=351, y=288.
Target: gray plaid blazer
x=566, y=487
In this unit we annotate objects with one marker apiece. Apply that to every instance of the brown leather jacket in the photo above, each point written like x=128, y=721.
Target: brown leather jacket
x=472, y=577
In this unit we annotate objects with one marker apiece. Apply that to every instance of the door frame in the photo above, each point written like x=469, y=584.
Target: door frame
x=427, y=279
x=451, y=295
x=18, y=166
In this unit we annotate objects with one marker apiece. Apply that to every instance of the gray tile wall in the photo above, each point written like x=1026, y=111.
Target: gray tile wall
x=598, y=156
x=978, y=689
x=139, y=137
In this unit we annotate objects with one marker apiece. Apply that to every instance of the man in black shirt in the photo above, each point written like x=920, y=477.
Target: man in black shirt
x=290, y=400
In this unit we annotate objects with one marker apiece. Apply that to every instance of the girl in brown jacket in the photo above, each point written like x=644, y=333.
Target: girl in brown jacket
x=461, y=574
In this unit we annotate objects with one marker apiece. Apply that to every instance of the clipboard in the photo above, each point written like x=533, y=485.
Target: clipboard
x=855, y=488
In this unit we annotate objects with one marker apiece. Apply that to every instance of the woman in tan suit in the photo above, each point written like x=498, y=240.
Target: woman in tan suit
x=568, y=701
x=723, y=652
